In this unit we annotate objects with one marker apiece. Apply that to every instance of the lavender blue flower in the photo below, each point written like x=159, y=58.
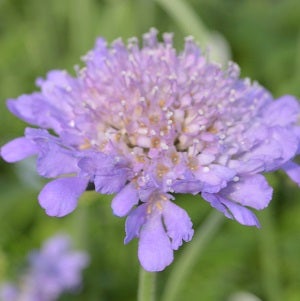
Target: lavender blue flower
x=54, y=269
x=9, y=292
x=146, y=122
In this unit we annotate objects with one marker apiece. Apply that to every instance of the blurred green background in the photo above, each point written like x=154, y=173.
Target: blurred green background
x=263, y=37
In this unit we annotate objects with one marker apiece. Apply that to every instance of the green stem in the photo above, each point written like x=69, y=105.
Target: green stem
x=146, y=290
x=184, y=264
x=297, y=60
x=269, y=258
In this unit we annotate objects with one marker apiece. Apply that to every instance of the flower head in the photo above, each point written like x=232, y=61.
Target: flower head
x=146, y=122
x=54, y=269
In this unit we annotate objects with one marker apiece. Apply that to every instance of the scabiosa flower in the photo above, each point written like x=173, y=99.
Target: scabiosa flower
x=53, y=270
x=146, y=122
x=8, y=292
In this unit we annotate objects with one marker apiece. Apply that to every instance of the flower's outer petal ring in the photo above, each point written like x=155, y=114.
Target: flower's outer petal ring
x=155, y=250
x=18, y=149
x=125, y=200
x=60, y=196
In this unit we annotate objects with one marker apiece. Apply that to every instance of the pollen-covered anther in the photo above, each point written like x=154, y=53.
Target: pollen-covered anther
x=135, y=182
x=161, y=170
x=155, y=142
x=154, y=119
x=193, y=164
x=117, y=137
x=159, y=206
x=102, y=145
x=138, y=111
x=149, y=209
x=164, y=131
x=161, y=103
x=140, y=159
x=156, y=203
x=174, y=158
x=212, y=130
x=86, y=145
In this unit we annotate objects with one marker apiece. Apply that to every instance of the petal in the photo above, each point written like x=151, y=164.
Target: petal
x=96, y=161
x=216, y=202
x=251, y=166
x=253, y=191
x=24, y=107
x=293, y=171
x=283, y=111
x=51, y=154
x=214, y=177
x=110, y=172
x=108, y=184
x=279, y=146
x=146, y=191
x=49, y=162
x=232, y=210
x=155, y=250
x=178, y=224
x=288, y=142
x=60, y=196
x=57, y=86
x=243, y=215
x=39, y=135
x=18, y=149
x=125, y=200
x=187, y=186
x=101, y=164
x=134, y=222
x=55, y=79
x=34, y=109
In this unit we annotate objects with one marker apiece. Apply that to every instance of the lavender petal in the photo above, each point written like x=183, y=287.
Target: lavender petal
x=18, y=149
x=123, y=202
x=60, y=196
x=155, y=250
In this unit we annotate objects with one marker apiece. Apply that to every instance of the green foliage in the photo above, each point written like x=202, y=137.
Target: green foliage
x=37, y=36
